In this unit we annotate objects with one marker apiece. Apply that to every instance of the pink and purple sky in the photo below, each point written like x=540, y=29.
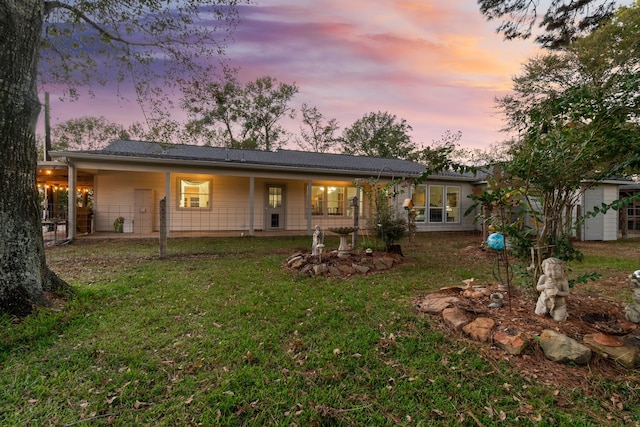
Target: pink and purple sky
x=437, y=64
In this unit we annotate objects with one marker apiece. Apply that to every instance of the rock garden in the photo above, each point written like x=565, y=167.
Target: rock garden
x=596, y=334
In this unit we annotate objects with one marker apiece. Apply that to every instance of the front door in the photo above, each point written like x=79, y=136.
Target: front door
x=274, y=212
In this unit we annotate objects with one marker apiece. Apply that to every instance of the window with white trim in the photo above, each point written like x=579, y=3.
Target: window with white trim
x=194, y=194
x=436, y=203
x=332, y=200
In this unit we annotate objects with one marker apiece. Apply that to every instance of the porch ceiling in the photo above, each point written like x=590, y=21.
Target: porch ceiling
x=55, y=173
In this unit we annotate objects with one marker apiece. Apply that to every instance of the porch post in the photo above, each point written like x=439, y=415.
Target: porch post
x=251, y=204
x=308, y=208
x=167, y=195
x=71, y=202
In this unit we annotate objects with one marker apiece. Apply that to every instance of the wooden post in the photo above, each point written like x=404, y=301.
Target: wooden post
x=163, y=228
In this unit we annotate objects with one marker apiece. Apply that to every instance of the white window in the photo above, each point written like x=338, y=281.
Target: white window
x=332, y=200
x=194, y=194
x=436, y=203
x=419, y=198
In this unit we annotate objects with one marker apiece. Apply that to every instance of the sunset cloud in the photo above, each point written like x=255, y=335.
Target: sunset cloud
x=437, y=64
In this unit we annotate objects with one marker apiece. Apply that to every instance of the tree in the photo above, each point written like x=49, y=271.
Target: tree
x=379, y=135
x=81, y=42
x=319, y=134
x=265, y=103
x=563, y=22
x=161, y=128
x=245, y=116
x=577, y=113
x=215, y=108
x=86, y=133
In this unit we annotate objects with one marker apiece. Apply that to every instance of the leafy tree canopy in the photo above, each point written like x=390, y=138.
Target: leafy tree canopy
x=139, y=43
x=317, y=133
x=581, y=104
x=576, y=113
x=240, y=116
x=379, y=135
x=86, y=133
x=563, y=22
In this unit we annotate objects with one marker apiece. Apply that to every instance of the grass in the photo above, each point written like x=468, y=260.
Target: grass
x=220, y=334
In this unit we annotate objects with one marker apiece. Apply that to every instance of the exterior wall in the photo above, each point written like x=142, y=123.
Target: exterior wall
x=229, y=208
x=114, y=196
x=230, y=205
x=602, y=226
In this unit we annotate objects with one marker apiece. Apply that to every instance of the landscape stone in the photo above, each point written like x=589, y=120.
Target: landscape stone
x=435, y=303
x=480, y=329
x=294, y=256
x=511, y=341
x=363, y=269
x=346, y=270
x=379, y=264
x=456, y=318
x=297, y=263
x=320, y=269
x=560, y=348
x=627, y=355
x=308, y=270
x=293, y=259
x=388, y=261
x=334, y=271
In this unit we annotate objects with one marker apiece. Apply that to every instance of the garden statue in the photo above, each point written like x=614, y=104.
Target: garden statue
x=554, y=289
x=318, y=238
x=632, y=311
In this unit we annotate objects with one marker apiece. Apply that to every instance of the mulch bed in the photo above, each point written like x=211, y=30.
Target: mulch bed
x=518, y=313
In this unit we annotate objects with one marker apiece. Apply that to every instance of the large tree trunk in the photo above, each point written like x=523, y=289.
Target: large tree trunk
x=24, y=275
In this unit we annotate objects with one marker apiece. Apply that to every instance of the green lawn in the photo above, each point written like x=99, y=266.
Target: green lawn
x=219, y=333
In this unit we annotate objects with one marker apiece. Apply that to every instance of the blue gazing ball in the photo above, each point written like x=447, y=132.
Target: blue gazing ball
x=495, y=241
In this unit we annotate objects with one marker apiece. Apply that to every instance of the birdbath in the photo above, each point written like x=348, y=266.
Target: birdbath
x=343, y=232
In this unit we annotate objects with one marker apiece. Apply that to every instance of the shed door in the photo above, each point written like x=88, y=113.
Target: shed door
x=275, y=207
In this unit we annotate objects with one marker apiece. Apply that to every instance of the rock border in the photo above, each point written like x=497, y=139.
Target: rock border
x=337, y=264
x=556, y=346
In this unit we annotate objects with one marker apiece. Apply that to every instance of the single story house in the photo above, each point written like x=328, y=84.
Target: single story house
x=216, y=189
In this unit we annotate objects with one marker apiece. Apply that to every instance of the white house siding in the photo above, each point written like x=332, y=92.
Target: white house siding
x=602, y=226
x=114, y=196
x=230, y=202
x=228, y=210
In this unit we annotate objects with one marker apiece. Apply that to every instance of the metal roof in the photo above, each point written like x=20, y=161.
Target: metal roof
x=284, y=159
